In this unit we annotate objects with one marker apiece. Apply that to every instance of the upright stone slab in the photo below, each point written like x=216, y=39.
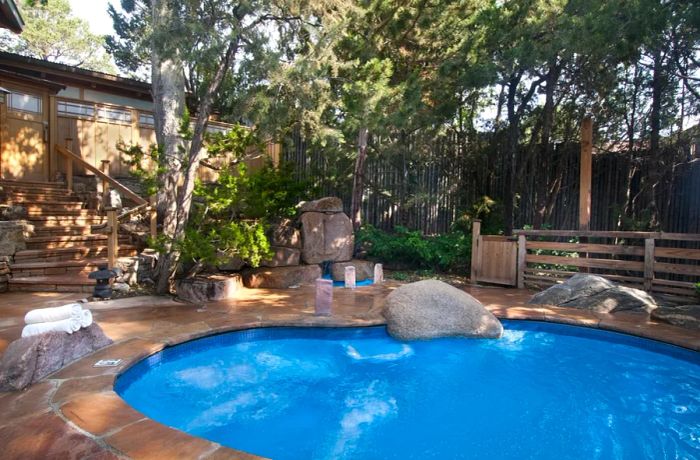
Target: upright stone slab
x=326, y=237
x=324, y=297
x=378, y=274
x=350, y=277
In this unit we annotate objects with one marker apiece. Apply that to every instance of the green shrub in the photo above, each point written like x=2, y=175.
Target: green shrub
x=697, y=289
x=449, y=252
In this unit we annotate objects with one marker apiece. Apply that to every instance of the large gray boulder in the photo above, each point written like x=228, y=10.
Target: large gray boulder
x=683, y=315
x=326, y=237
x=430, y=308
x=595, y=293
x=30, y=359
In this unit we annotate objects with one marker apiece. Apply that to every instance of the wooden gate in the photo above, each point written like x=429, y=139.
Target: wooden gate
x=494, y=258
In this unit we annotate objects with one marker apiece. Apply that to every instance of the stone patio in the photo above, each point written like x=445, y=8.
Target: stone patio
x=76, y=413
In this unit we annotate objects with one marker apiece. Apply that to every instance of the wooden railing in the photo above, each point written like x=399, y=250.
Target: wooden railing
x=666, y=263
x=112, y=225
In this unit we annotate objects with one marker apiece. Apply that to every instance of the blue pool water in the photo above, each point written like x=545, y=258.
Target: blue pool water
x=543, y=391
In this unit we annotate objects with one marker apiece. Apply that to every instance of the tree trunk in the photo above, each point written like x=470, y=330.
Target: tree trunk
x=168, y=86
x=512, y=141
x=358, y=180
x=541, y=184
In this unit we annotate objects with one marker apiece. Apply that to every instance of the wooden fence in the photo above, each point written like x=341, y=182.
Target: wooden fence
x=658, y=262
x=426, y=185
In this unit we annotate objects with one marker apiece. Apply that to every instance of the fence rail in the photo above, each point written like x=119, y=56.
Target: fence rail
x=658, y=262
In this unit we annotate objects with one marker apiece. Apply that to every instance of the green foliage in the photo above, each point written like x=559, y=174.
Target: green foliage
x=697, y=289
x=147, y=166
x=51, y=32
x=229, y=217
x=449, y=252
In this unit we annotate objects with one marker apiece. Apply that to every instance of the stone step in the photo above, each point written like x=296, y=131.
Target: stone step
x=75, y=253
x=64, y=230
x=34, y=211
x=20, y=188
x=32, y=184
x=56, y=268
x=49, y=206
x=69, y=241
x=38, y=197
x=74, y=282
x=57, y=221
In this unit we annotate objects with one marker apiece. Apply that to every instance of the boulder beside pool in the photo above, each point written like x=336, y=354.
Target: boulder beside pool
x=430, y=309
x=30, y=359
x=595, y=293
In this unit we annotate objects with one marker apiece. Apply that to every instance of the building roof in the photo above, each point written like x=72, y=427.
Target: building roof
x=10, y=17
x=67, y=75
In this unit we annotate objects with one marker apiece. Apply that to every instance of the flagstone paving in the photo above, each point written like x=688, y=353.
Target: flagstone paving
x=76, y=413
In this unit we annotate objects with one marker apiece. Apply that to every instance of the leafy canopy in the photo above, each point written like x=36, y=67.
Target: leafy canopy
x=52, y=33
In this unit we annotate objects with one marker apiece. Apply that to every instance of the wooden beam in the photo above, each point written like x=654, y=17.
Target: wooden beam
x=522, y=264
x=611, y=234
x=476, y=233
x=648, y=263
x=585, y=170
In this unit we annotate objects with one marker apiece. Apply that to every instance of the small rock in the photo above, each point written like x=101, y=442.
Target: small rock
x=112, y=200
x=13, y=212
x=683, y=315
x=121, y=287
x=431, y=308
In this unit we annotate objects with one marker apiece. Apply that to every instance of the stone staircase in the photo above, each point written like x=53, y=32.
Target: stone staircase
x=63, y=248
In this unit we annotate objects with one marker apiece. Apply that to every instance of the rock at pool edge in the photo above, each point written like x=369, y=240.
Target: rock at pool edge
x=430, y=309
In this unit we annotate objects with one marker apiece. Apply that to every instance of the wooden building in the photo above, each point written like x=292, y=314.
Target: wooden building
x=88, y=112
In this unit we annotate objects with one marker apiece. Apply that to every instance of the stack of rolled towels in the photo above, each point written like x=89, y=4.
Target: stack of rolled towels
x=66, y=318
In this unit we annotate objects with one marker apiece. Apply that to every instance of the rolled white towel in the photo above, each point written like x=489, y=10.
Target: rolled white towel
x=69, y=325
x=85, y=318
x=45, y=315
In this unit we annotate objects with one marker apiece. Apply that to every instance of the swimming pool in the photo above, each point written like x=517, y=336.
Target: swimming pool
x=543, y=391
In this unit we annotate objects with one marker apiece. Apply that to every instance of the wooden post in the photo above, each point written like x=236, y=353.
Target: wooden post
x=476, y=254
x=105, y=184
x=584, y=201
x=113, y=240
x=522, y=254
x=649, y=247
x=154, y=217
x=69, y=174
x=585, y=177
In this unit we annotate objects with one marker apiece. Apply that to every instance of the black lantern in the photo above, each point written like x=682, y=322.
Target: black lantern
x=102, y=275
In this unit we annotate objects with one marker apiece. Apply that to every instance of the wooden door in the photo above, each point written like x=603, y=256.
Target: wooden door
x=497, y=260
x=23, y=148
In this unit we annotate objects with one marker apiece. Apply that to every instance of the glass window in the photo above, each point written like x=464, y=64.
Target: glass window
x=115, y=115
x=24, y=102
x=146, y=120
x=76, y=109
